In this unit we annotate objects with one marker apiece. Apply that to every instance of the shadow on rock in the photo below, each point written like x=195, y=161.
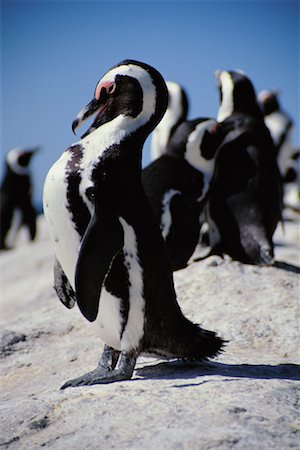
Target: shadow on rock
x=285, y=266
x=175, y=370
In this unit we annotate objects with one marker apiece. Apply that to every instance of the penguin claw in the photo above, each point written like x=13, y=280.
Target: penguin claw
x=84, y=380
x=104, y=374
x=98, y=377
x=115, y=375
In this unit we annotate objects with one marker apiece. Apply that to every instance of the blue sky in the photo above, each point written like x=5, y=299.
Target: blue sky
x=54, y=52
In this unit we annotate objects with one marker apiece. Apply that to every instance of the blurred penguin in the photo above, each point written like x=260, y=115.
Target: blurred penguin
x=280, y=126
x=175, y=114
x=245, y=201
x=292, y=182
x=177, y=182
x=17, y=209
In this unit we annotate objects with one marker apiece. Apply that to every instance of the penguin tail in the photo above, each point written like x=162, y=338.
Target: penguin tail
x=197, y=344
x=204, y=344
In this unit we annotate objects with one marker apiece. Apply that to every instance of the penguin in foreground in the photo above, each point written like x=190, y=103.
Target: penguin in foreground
x=245, y=202
x=175, y=114
x=177, y=186
x=17, y=209
x=110, y=255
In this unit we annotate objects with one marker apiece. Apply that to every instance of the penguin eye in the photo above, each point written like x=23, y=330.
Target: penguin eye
x=111, y=88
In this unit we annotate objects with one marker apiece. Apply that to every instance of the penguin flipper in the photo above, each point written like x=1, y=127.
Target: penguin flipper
x=102, y=241
x=184, y=235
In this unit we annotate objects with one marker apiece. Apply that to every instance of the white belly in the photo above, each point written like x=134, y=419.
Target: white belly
x=66, y=241
x=109, y=319
x=65, y=238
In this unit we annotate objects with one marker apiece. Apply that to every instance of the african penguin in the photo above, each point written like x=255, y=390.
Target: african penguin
x=17, y=209
x=177, y=186
x=245, y=201
x=280, y=126
x=110, y=255
x=175, y=114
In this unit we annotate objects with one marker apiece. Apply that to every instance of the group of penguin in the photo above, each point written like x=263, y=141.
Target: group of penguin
x=119, y=231
x=227, y=174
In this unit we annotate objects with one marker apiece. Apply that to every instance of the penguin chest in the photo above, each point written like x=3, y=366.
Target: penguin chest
x=121, y=317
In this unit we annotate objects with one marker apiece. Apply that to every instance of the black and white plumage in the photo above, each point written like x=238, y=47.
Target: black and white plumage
x=175, y=114
x=246, y=195
x=17, y=209
x=110, y=255
x=280, y=126
x=177, y=186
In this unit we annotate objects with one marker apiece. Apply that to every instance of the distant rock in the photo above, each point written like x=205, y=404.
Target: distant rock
x=8, y=339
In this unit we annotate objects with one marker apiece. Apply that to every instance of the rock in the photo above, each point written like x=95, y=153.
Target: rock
x=8, y=339
x=246, y=398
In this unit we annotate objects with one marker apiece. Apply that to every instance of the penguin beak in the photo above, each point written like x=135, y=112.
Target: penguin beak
x=98, y=104
x=34, y=150
x=218, y=77
x=85, y=113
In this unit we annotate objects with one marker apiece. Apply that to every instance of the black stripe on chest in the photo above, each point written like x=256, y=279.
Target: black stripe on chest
x=75, y=203
x=117, y=284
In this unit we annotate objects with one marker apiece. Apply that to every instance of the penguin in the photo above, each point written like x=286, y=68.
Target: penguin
x=245, y=201
x=280, y=126
x=177, y=185
x=17, y=209
x=110, y=255
x=292, y=182
x=176, y=113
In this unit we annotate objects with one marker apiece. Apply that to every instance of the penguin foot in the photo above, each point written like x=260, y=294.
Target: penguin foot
x=85, y=379
x=105, y=372
x=112, y=377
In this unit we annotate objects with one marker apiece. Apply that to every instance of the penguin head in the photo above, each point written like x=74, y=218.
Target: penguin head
x=268, y=101
x=18, y=159
x=175, y=114
x=130, y=90
x=177, y=102
x=202, y=145
x=237, y=94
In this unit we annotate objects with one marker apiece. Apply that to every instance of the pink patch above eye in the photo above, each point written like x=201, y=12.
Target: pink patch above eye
x=109, y=86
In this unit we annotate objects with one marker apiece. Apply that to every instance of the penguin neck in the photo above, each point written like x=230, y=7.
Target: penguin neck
x=173, y=117
x=199, y=151
x=122, y=134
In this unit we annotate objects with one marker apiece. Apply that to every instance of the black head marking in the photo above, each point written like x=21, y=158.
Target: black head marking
x=123, y=95
x=127, y=99
x=244, y=96
x=269, y=102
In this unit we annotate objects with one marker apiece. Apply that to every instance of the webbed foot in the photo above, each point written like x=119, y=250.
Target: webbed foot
x=85, y=379
x=106, y=371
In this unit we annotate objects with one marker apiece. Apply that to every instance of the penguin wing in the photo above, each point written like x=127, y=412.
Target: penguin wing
x=101, y=242
x=183, y=234
x=63, y=287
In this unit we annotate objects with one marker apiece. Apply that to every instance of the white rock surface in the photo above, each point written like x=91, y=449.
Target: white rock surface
x=248, y=398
